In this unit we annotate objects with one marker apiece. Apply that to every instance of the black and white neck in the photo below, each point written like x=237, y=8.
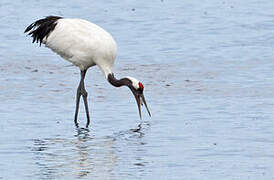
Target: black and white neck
x=128, y=81
x=134, y=85
x=118, y=82
x=131, y=82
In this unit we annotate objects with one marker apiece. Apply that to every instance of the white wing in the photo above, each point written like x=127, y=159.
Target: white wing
x=83, y=43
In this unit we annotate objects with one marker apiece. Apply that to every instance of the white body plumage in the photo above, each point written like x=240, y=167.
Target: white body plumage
x=83, y=43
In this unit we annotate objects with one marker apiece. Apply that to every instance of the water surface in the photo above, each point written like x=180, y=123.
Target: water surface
x=208, y=74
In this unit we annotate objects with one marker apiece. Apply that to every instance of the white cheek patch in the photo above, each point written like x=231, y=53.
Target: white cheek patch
x=135, y=82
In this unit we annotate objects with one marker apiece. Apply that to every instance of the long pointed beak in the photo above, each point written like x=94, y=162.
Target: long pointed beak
x=140, y=99
x=144, y=101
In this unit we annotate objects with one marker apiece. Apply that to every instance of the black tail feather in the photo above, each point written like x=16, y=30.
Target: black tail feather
x=42, y=28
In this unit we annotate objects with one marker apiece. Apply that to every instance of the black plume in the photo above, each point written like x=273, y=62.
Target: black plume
x=42, y=28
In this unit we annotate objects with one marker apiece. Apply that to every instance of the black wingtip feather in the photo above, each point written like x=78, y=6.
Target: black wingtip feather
x=42, y=28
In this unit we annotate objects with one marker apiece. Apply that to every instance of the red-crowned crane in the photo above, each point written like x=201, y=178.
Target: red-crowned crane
x=84, y=44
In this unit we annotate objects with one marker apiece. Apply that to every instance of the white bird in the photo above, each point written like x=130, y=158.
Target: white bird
x=84, y=44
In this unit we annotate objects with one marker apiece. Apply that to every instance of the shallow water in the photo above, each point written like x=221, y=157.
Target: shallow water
x=208, y=74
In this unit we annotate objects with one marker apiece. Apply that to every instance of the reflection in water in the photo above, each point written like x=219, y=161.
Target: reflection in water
x=138, y=129
x=85, y=156
x=133, y=150
x=82, y=151
x=46, y=171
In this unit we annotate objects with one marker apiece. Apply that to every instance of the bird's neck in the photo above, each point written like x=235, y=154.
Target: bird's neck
x=118, y=82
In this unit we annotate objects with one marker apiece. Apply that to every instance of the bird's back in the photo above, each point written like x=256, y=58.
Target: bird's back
x=82, y=43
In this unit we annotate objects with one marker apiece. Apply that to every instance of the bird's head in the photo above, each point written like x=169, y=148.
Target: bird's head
x=137, y=88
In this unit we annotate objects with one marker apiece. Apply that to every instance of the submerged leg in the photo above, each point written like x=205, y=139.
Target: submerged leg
x=81, y=91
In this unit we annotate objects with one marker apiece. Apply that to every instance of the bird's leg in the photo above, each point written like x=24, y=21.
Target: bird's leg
x=78, y=95
x=81, y=91
x=85, y=95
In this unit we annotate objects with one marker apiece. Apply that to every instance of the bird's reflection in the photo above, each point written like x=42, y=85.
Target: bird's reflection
x=86, y=155
x=138, y=129
x=83, y=151
x=83, y=134
x=134, y=140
